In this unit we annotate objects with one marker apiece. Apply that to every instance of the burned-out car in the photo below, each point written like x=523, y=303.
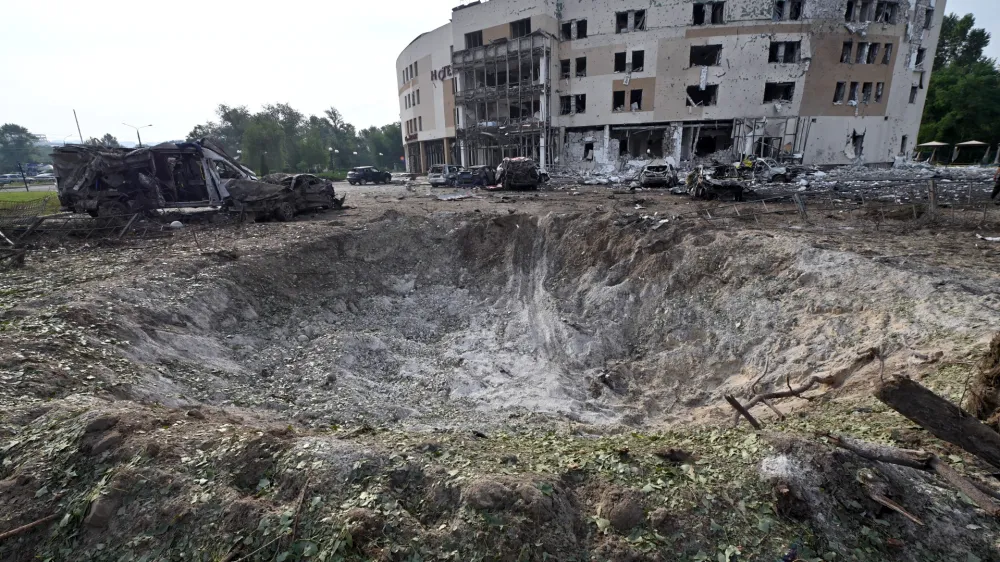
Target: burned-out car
x=112, y=182
x=477, y=176
x=658, y=173
x=518, y=173
x=311, y=192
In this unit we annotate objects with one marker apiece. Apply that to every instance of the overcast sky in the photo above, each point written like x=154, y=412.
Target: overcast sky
x=170, y=64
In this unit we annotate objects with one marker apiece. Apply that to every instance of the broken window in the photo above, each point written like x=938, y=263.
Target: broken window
x=474, y=39
x=913, y=94
x=838, y=94
x=784, y=52
x=795, y=10
x=928, y=18
x=866, y=11
x=872, y=53
x=418, y=97
x=567, y=31
x=420, y=123
x=564, y=68
x=921, y=53
x=620, y=61
x=621, y=22
x=854, y=93
x=718, y=12
x=638, y=60
x=639, y=20
x=635, y=100
x=520, y=28
x=618, y=101
x=588, y=151
x=902, y=145
x=565, y=105
x=862, y=53
x=885, y=12
x=866, y=93
x=879, y=90
x=416, y=68
x=849, y=14
x=887, y=57
x=709, y=12
x=698, y=97
x=707, y=55
x=845, y=53
x=581, y=103
x=779, y=10
x=581, y=67
x=581, y=29
x=778, y=91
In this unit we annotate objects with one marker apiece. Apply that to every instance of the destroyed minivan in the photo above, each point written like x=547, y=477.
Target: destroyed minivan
x=658, y=173
x=113, y=182
x=518, y=173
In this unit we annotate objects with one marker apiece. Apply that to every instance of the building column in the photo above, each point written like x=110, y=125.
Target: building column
x=423, y=158
x=607, y=145
x=544, y=113
x=447, y=150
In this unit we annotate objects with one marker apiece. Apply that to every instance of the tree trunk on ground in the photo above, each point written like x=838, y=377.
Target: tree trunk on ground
x=943, y=419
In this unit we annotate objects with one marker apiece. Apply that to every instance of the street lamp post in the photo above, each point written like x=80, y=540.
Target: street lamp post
x=330, y=166
x=66, y=137
x=137, y=131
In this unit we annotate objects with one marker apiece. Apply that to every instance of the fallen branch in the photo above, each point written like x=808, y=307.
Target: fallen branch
x=28, y=527
x=941, y=418
x=741, y=411
x=895, y=507
x=834, y=380
x=922, y=461
x=773, y=409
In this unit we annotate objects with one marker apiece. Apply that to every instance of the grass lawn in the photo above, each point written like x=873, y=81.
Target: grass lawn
x=26, y=197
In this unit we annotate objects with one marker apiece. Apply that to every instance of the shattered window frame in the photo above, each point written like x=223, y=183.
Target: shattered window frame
x=796, y=9
x=703, y=52
x=621, y=22
x=567, y=31
x=849, y=12
x=920, y=57
x=873, y=53
x=846, y=52
x=853, y=92
x=914, y=92
x=928, y=18
x=616, y=97
x=639, y=20
x=520, y=28
x=710, y=95
x=718, y=13
x=581, y=29
x=778, y=14
x=866, y=93
x=565, y=104
x=564, y=68
x=839, y=92
x=634, y=100
x=879, y=92
x=887, y=54
x=474, y=39
x=580, y=103
x=638, y=66
x=862, y=54
x=581, y=69
x=779, y=92
x=886, y=11
x=621, y=61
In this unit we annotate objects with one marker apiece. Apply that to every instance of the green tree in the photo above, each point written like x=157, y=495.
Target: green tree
x=228, y=130
x=107, y=140
x=264, y=142
x=960, y=42
x=963, y=96
x=17, y=144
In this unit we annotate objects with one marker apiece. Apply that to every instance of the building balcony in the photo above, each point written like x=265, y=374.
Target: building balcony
x=535, y=44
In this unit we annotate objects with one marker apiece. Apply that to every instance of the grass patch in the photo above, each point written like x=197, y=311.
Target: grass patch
x=30, y=196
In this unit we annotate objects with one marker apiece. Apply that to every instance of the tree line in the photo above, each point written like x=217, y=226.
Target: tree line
x=279, y=138
x=276, y=139
x=963, y=96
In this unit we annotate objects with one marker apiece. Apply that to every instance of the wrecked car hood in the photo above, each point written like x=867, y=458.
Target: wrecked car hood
x=251, y=191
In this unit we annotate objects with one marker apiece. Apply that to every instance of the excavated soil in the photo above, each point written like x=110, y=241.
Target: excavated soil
x=491, y=378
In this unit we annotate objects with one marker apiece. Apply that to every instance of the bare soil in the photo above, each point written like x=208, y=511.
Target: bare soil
x=498, y=377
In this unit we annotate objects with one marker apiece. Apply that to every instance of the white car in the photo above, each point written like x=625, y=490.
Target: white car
x=45, y=178
x=6, y=179
x=443, y=175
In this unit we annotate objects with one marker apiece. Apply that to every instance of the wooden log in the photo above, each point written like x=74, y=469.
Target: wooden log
x=28, y=527
x=743, y=411
x=941, y=418
x=965, y=486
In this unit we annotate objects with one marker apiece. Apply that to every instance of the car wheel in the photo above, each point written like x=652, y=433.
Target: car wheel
x=113, y=214
x=285, y=212
x=780, y=178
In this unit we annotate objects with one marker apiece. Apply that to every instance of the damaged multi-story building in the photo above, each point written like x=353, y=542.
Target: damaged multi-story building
x=594, y=83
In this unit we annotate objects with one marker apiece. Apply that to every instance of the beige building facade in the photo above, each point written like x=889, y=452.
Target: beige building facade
x=593, y=83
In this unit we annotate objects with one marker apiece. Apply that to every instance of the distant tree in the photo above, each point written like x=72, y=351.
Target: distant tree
x=963, y=96
x=17, y=144
x=264, y=141
x=107, y=140
x=960, y=42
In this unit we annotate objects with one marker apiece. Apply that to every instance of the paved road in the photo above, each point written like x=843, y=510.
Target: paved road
x=31, y=187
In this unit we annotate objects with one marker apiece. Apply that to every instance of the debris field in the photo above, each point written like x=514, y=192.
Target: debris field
x=530, y=375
